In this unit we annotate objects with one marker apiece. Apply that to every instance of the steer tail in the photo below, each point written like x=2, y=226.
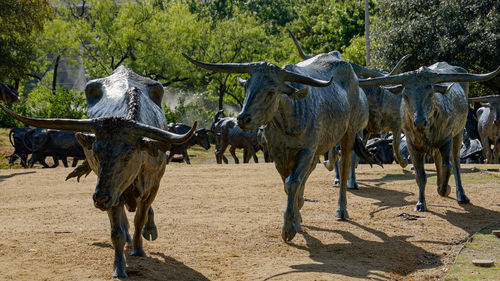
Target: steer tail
x=82, y=170
x=364, y=154
x=10, y=137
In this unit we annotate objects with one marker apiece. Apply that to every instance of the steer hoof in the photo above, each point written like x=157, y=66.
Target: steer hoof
x=420, y=207
x=150, y=233
x=289, y=230
x=138, y=252
x=341, y=214
x=353, y=185
x=444, y=191
x=120, y=273
x=463, y=199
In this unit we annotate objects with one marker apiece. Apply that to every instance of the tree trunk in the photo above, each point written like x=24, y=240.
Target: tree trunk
x=54, y=78
x=222, y=91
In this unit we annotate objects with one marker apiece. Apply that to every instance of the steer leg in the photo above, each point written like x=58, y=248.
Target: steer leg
x=75, y=162
x=304, y=159
x=496, y=150
x=141, y=214
x=65, y=162
x=417, y=158
x=219, y=153
x=352, y=184
x=438, y=162
x=150, y=231
x=396, y=141
x=446, y=166
x=336, y=177
x=186, y=156
x=119, y=238
x=232, y=150
x=302, y=188
x=13, y=158
x=346, y=145
x=488, y=154
x=457, y=142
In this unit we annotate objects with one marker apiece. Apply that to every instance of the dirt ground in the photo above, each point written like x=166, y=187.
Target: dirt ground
x=223, y=222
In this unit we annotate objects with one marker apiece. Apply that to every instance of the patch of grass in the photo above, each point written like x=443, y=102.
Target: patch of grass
x=482, y=245
x=466, y=179
x=4, y=137
x=490, y=169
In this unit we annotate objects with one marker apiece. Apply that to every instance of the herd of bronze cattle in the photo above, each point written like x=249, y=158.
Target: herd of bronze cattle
x=322, y=105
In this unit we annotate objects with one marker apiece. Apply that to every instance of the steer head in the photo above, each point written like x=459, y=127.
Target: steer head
x=116, y=144
x=493, y=102
x=418, y=88
x=8, y=93
x=263, y=89
x=202, y=139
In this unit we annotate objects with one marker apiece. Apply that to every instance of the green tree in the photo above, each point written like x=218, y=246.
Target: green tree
x=462, y=32
x=323, y=26
x=20, y=22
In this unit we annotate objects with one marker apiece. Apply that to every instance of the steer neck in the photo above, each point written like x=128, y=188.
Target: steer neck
x=288, y=118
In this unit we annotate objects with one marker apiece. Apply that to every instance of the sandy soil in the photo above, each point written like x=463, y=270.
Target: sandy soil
x=223, y=222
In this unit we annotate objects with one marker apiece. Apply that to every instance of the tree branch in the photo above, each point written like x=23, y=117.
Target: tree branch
x=234, y=97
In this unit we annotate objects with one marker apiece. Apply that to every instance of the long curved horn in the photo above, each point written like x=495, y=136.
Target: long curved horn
x=484, y=98
x=299, y=48
x=295, y=77
x=389, y=80
x=396, y=68
x=76, y=125
x=162, y=135
x=466, y=77
x=221, y=67
x=368, y=72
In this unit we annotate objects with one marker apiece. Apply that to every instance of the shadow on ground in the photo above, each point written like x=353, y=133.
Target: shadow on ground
x=156, y=266
x=4, y=177
x=362, y=258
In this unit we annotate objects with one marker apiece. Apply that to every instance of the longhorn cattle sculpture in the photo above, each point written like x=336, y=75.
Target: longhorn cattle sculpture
x=383, y=110
x=305, y=117
x=434, y=112
x=488, y=126
x=124, y=142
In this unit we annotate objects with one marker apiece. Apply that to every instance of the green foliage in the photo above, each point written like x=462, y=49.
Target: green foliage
x=42, y=102
x=191, y=107
x=356, y=51
x=64, y=103
x=20, y=21
x=461, y=32
x=324, y=26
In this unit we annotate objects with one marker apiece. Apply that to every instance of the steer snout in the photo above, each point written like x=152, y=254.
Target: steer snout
x=420, y=122
x=102, y=200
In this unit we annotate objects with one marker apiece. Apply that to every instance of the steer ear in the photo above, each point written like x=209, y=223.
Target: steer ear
x=152, y=146
x=242, y=81
x=85, y=140
x=295, y=93
x=443, y=89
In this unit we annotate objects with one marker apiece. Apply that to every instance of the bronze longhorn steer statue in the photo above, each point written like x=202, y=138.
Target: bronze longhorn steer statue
x=305, y=117
x=383, y=108
x=489, y=126
x=434, y=111
x=124, y=141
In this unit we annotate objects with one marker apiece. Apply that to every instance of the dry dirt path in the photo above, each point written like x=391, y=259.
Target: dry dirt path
x=223, y=222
